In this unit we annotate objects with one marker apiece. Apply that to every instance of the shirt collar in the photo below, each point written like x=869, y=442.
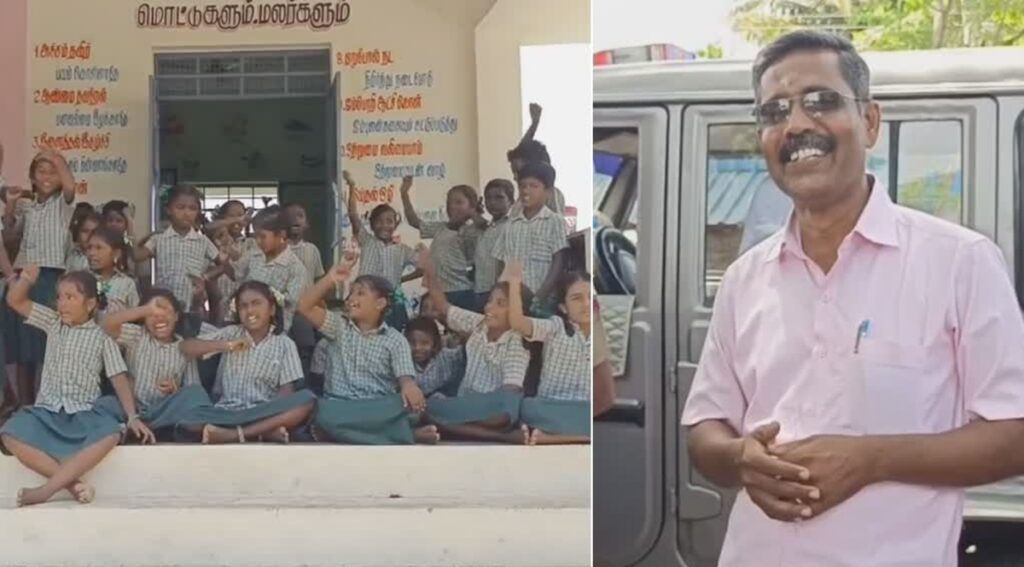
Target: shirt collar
x=192, y=233
x=877, y=224
x=378, y=330
x=542, y=214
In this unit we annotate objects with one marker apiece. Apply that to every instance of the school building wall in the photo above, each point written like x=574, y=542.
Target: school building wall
x=470, y=48
x=509, y=25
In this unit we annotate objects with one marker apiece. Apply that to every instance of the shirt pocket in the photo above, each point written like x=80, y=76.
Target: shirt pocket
x=893, y=387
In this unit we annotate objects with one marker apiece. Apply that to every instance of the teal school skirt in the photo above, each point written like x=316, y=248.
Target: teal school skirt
x=563, y=417
x=469, y=408
x=167, y=412
x=226, y=417
x=63, y=435
x=377, y=421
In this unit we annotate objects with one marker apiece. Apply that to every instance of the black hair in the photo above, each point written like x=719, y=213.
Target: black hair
x=155, y=292
x=424, y=325
x=222, y=210
x=853, y=68
x=264, y=290
x=380, y=210
x=81, y=219
x=34, y=165
x=81, y=209
x=272, y=218
x=87, y=286
x=115, y=241
x=562, y=285
x=115, y=206
x=183, y=190
x=538, y=170
x=529, y=150
x=379, y=286
x=469, y=193
x=503, y=185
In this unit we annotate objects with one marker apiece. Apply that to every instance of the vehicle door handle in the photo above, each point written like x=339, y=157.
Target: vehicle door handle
x=625, y=411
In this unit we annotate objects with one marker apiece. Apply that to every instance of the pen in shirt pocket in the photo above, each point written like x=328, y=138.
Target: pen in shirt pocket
x=862, y=332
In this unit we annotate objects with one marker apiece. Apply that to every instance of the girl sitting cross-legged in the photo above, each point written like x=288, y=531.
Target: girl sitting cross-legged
x=255, y=377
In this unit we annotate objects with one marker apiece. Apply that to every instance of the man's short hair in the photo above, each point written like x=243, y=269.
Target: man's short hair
x=529, y=150
x=851, y=65
x=538, y=170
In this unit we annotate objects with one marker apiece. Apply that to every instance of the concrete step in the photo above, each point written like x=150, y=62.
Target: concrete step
x=68, y=535
x=311, y=505
x=333, y=476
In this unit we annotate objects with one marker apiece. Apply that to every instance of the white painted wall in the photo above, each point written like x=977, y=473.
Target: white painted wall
x=510, y=25
x=558, y=77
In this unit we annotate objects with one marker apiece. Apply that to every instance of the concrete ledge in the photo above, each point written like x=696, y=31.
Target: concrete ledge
x=69, y=536
x=319, y=476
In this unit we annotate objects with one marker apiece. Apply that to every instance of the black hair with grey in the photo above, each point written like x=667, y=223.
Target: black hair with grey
x=853, y=68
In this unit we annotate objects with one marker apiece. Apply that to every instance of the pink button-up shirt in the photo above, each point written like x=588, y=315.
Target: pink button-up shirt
x=945, y=345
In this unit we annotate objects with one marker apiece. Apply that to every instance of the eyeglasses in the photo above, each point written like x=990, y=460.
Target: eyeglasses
x=815, y=103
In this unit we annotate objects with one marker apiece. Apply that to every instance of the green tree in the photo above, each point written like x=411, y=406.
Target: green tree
x=888, y=24
x=711, y=51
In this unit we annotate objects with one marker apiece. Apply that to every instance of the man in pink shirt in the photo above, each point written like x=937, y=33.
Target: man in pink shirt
x=863, y=364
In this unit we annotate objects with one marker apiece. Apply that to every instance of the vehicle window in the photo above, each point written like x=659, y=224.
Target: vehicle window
x=930, y=170
x=616, y=194
x=744, y=206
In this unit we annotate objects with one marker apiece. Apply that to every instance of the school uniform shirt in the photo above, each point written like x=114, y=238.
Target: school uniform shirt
x=442, y=370
x=76, y=359
x=318, y=362
x=121, y=291
x=787, y=343
x=180, y=257
x=45, y=237
x=309, y=255
x=363, y=365
x=151, y=362
x=385, y=259
x=452, y=252
x=533, y=242
x=75, y=260
x=285, y=273
x=489, y=365
x=485, y=273
x=555, y=201
x=566, y=372
x=254, y=376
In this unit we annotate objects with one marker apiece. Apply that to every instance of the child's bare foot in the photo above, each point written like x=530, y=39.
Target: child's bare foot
x=318, y=434
x=82, y=492
x=30, y=496
x=279, y=435
x=537, y=437
x=213, y=435
x=524, y=430
x=427, y=435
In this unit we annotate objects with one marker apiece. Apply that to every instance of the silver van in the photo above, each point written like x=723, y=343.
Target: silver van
x=682, y=190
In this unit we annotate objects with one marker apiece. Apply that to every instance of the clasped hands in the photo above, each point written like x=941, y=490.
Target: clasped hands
x=802, y=479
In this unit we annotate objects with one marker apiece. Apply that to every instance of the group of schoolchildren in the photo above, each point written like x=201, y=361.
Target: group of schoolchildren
x=240, y=338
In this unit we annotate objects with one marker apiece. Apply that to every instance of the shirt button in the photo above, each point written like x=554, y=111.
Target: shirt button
x=825, y=297
x=820, y=351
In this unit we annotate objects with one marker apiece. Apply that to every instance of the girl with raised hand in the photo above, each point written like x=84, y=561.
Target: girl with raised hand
x=69, y=430
x=560, y=413
x=166, y=382
x=369, y=385
x=486, y=407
